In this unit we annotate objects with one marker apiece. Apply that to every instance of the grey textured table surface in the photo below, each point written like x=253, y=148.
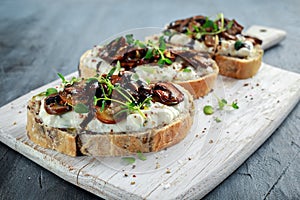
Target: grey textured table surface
x=40, y=38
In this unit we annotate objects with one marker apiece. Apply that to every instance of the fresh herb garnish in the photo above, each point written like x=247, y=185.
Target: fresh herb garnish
x=68, y=82
x=218, y=120
x=213, y=26
x=234, y=105
x=186, y=70
x=50, y=91
x=153, y=49
x=141, y=156
x=129, y=38
x=238, y=44
x=159, y=50
x=130, y=106
x=81, y=108
x=129, y=160
x=208, y=110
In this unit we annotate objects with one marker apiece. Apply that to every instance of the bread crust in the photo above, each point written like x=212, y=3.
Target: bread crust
x=238, y=67
x=198, y=87
x=74, y=143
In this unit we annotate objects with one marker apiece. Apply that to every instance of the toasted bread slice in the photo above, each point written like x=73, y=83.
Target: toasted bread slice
x=240, y=68
x=198, y=87
x=80, y=140
x=237, y=55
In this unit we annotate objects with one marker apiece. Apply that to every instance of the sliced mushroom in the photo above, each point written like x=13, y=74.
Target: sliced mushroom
x=54, y=105
x=166, y=93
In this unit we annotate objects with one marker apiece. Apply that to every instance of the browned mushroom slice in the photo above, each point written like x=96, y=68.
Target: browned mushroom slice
x=166, y=93
x=105, y=116
x=210, y=40
x=254, y=40
x=55, y=105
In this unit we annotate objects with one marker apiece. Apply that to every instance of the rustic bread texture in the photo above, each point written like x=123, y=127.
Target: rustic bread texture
x=198, y=87
x=202, y=86
x=75, y=142
x=238, y=67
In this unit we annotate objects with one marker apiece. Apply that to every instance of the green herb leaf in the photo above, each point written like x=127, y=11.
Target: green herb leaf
x=162, y=44
x=50, y=91
x=81, y=108
x=129, y=160
x=186, y=70
x=222, y=103
x=189, y=32
x=167, y=32
x=61, y=77
x=234, y=105
x=111, y=72
x=198, y=36
x=161, y=62
x=129, y=38
x=168, y=61
x=139, y=43
x=149, y=53
x=218, y=120
x=238, y=44
x=91, y=79
x=229, y=25
x=208, y=110
x=141, y=156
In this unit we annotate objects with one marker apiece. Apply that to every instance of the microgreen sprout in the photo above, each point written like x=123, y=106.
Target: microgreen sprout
x=199, y=31
x=130, y=105
x=208, y=109
x=152, y=49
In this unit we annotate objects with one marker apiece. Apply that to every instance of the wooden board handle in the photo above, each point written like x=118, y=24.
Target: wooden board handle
x=269, y=36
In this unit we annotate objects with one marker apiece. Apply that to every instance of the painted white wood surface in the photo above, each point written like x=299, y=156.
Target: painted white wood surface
x=269, y=36
x=190, y=169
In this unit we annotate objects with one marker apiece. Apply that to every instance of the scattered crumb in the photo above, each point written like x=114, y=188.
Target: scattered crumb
x=20, y=111
x=125, y=175
x=246, y=96
x=14, y=123
x=257, y=84
x=278, y=101
x=211, y=141
x=189, y=158
x=132, y=182
x=246, y=84
x=252, y=87
x=168, y=171
x=133, y=166
x=157, y=165
x=134, y=176
x=251, y=98
x=197, y=135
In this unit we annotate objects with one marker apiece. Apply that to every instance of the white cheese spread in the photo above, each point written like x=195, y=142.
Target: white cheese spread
x=156, y=115
x=150, y=72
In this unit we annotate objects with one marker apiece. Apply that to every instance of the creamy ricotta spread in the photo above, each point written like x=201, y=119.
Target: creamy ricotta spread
x=150, y=72
x=157, y=115
x=225, y=47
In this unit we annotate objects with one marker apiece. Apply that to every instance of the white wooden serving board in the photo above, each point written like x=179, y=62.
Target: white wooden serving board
x=190, y=169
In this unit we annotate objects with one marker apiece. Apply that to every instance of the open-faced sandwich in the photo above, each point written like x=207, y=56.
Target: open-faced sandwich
x=153, y=61
x=109, y=115
x=237, y=55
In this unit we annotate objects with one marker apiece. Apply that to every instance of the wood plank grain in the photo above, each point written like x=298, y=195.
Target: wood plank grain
x=210, y=153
